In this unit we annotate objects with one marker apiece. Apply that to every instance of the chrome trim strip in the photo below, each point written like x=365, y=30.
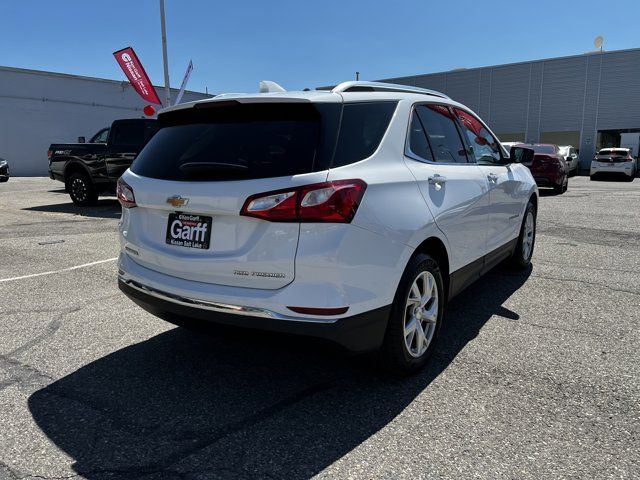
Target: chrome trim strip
x=219, y=307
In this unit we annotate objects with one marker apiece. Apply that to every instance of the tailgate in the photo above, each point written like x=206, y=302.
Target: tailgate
x=241, y=251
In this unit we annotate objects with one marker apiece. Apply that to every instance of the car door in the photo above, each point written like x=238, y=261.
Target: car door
x=505, y=195
x=454, y=189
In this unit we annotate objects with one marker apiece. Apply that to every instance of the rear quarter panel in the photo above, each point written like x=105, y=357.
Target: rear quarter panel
x=391, y=222
x=88, y=155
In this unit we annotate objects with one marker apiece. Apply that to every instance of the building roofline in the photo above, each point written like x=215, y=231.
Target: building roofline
x=525, y=62
x=80, y=77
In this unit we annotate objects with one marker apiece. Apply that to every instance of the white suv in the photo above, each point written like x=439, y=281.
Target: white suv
x=353, y=214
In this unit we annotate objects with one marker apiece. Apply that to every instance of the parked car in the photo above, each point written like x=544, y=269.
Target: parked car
x=549, y=168
x=90, y=169
x=4, y=170
x=614, y=161
x=571, y=157
x=353, y=215
x=508, y=145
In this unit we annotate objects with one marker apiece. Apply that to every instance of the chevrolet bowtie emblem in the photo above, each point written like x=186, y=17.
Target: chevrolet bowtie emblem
x=177, y=201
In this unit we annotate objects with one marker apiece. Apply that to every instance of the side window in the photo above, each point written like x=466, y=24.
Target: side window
x=418, y=139
x=361, y=130
x=486, y=149
x=128, y=134
x=442, y=133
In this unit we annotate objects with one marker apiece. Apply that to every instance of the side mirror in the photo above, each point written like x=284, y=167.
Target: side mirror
x=521, y=155
x=81, y=140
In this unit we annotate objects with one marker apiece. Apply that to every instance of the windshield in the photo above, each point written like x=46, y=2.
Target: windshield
x=101, y=136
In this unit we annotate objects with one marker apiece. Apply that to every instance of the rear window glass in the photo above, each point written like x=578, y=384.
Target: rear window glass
x=129, y=134
x=228, y=140
x=418, y=139
x=618, y=152
x=442, y=132
x=361, y=129
x=549, y=149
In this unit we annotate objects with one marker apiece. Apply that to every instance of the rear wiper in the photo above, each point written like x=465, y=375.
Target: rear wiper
x=208, y=168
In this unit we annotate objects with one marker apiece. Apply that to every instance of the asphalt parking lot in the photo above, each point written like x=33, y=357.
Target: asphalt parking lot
x=537, y=374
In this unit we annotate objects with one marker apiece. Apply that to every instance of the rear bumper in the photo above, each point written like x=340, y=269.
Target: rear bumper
x=544, y=181
x=358, y=333
x=620, y=169
x=56, y=176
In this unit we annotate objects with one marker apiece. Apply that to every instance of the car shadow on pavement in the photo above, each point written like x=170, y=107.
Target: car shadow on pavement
x=105, y=208
x=238, y=404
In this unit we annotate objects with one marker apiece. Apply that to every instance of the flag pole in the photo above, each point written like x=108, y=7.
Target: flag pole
x=167, y=89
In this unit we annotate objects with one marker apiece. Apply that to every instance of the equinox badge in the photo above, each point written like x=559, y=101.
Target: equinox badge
x=177, y=201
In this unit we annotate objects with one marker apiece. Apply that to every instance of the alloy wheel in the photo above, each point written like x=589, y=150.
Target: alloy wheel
x=528, y=235
x=421, y=314
x=79, y=189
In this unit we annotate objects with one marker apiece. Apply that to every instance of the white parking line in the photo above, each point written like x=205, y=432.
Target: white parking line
x=2, y=280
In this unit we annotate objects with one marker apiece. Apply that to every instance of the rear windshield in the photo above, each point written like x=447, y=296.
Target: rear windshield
x=549, y=149
x=615, y=153
x=230, y=140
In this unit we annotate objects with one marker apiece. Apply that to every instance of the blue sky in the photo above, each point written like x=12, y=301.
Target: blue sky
x=298, y=44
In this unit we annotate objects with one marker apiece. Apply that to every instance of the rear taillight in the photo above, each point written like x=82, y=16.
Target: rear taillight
x=125, y=194
x=49, y=154
x=335, y=202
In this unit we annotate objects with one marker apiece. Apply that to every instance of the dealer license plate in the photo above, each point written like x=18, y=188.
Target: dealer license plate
x=189, y=230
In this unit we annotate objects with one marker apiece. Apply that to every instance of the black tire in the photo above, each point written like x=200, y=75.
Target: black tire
x=519, y=259
x=395, y=353
x=81, y=190
x=4, y=179
x=631, y=177
x=560, y=189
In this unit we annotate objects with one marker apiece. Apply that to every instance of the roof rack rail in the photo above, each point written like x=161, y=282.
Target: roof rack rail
x=359, y=86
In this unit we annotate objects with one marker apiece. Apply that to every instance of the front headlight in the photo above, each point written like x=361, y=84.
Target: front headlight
x=3, y=163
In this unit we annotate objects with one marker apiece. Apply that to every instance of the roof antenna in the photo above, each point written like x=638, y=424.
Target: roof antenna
x=267, y=86
x=357, y=76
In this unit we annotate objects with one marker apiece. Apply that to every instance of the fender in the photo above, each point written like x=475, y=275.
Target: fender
x=76, y=164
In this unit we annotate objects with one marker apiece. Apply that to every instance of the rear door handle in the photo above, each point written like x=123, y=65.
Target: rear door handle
x=436, y=179
x=493, y=178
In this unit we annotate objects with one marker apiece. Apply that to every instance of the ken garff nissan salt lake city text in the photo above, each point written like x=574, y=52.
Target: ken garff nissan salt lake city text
x=353, y=214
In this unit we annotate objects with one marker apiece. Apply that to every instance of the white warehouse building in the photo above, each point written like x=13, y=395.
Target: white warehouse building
x=40, y=108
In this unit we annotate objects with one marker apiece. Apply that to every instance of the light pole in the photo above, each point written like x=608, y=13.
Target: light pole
x=167, y=89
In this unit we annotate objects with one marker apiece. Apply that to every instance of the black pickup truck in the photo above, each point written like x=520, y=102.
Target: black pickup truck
x=89, y=169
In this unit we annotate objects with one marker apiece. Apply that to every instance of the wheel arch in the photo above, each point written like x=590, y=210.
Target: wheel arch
x=73, y=167
x=533, y=198
x=435, y=247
